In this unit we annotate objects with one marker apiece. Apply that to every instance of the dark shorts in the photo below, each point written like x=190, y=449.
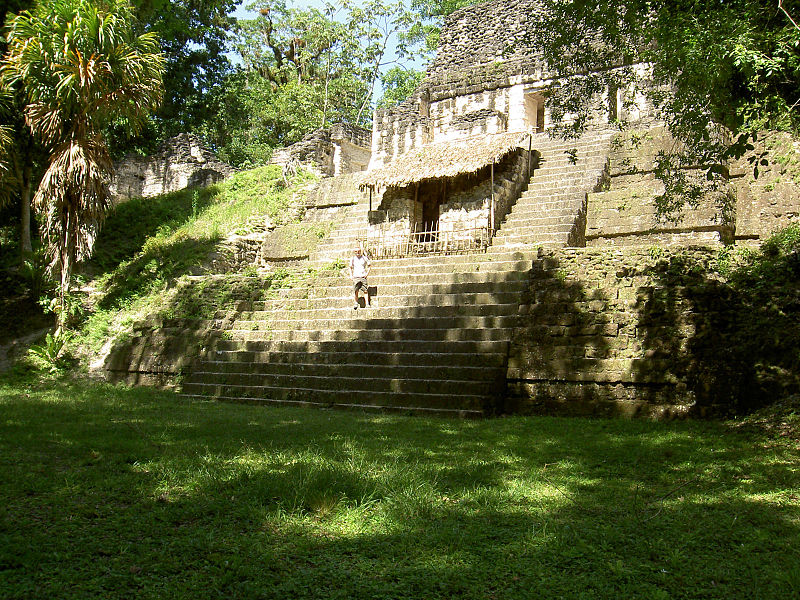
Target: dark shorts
x=360, y=283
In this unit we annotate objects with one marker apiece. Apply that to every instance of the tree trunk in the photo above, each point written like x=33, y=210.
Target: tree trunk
x=66, y=268
x=25, y=227
x=373, y=78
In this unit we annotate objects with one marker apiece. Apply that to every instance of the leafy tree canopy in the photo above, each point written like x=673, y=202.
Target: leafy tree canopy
x=431, y=14
x=78, y=64
x=718, y=72
x=398, y=84
x=194, y=38
x=301, y=68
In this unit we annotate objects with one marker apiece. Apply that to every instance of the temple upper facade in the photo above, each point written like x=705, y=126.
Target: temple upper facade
x=487, y=78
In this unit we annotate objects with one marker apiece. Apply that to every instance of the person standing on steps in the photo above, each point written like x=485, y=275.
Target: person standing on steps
x=360, y=265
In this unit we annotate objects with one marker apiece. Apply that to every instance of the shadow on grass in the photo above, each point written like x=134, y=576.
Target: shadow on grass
x=130, y=224
x=114, y=492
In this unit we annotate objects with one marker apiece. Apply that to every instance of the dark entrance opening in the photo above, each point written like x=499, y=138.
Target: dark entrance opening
x=430, y=197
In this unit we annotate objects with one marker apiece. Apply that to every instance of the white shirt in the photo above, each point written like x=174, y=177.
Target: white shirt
x=359, y=266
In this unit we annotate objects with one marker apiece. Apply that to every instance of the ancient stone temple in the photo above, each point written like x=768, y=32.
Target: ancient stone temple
x=329, y=151
x=455, y=157
x=513, y=272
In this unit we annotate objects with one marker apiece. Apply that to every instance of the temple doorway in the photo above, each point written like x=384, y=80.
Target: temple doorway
x=534, y=112
x=430, y=197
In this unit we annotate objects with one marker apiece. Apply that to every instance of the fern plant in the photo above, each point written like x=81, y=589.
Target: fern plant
x=50, y=351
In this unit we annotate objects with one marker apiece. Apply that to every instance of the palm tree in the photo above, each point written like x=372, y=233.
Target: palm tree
x=79, y=65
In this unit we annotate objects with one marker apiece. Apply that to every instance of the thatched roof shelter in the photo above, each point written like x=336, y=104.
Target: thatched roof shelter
x=444, y=160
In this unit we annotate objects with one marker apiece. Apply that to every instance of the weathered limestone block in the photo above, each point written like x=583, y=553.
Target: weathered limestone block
x=771, y=201
x=337, y=191
x=331, y=151
x=158, y=354
x=613, y=332
x=628, y=216
x=635, y=151
x=180, y=162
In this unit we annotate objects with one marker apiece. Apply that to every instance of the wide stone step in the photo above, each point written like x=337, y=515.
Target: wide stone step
x=595, y=162
x=576, y=173
x=500, y=296
x=320, y=368
x=533, y=242
x=244, y=360
x=564, y=167
x=564, y=217
x=246, y=384
x=343, y=289
x=447, y=261
x=413, y=346
x=546, y=206
x=533, y=228
x=252, y=322
x=421, y=404
x=345, y=311
x=558, y=146
x=538, y=225
x=425, y=276
x=550, y=190
x=241, y=332
x=536, y=234
x=532, y=238
x=430, y=274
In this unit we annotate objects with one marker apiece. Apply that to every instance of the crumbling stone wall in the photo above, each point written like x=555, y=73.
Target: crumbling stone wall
x=627, y=331
x=770, y=201
x=398, y=129
x=624, y=212
x=747, y=209
x=484, y=47
x=337, y=150
x=180, y=162
x=484, y=70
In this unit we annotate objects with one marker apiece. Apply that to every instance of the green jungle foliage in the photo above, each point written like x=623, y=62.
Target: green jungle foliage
x=74, y=66
x=399, y=84
x=194, y=37
x=719, y=73
x=425, y=31
x=301, y=69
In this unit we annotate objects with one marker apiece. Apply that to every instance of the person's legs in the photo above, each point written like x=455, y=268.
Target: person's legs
x=366, y=294
x=362, y=284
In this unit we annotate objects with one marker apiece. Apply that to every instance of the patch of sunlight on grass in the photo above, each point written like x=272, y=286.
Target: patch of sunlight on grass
x=305, y=504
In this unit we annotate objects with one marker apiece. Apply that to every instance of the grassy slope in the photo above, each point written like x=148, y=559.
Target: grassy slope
x=117, y=493
x=148, y=246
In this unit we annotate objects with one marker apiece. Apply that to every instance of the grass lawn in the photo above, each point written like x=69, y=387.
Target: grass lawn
x=109, y=492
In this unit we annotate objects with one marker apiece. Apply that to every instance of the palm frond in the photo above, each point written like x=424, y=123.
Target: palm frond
x=80, y=66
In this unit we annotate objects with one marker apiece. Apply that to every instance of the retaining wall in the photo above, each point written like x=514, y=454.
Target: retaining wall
x=628, y=331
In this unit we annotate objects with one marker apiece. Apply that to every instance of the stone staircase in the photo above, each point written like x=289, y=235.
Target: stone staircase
x=435, y=340
x=549, y=214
